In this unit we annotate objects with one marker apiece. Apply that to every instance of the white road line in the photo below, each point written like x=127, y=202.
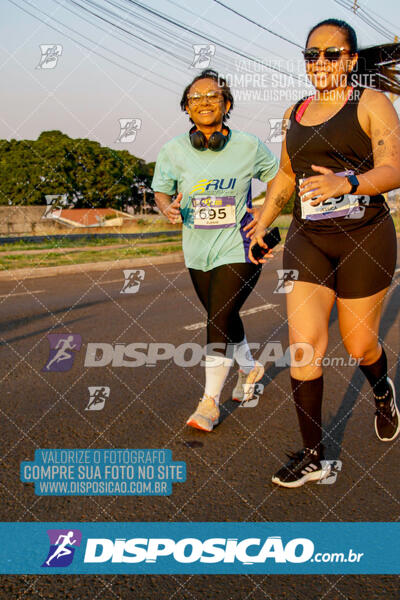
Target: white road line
x=120, y=280
x=249, y=311
x=22, y=293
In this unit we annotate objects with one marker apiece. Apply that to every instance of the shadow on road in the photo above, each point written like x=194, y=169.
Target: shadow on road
x=14, y=324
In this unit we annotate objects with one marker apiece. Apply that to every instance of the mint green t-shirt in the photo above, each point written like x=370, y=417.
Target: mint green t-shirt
x=216, y=191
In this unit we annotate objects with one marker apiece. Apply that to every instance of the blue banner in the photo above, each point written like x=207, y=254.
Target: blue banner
x=102, y=472
x=204, y=548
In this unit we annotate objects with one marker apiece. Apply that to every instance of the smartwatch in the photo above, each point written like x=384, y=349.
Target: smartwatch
x=352, y=179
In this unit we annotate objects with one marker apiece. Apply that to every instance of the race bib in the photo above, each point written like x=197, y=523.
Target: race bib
x=211, y=212
x=331, y=208
x=343, y=206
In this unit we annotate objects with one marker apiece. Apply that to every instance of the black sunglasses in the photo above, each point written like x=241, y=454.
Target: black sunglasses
x=332, y=53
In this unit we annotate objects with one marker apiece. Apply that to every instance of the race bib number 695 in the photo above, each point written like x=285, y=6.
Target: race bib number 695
x=211, y=212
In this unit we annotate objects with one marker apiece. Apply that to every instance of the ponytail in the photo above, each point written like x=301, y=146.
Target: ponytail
x=376, y=68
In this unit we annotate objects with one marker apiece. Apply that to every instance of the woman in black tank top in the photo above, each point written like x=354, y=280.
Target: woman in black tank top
x=341, y=152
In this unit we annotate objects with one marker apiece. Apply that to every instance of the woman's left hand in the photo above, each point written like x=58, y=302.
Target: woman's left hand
x=327, y=185
x=251, y=227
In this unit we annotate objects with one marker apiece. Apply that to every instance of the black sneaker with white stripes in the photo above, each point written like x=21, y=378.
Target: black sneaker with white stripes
x=304, y=465
x=387, y=416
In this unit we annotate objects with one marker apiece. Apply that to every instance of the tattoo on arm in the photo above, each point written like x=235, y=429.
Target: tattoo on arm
x=281, y=199
x=380, y=149
x=385, y=148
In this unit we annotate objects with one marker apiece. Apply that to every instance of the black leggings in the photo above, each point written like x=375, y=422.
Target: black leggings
x=223, y=291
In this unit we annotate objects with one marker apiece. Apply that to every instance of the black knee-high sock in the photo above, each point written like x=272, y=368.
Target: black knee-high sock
x=377, y=377
x=307, y=397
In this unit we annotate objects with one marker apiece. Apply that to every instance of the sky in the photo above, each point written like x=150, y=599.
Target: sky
x=136, y=72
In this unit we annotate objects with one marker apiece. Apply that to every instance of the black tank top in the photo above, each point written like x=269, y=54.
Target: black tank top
x=338, y=144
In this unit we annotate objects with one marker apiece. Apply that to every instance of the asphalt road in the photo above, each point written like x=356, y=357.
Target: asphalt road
x=228, y=471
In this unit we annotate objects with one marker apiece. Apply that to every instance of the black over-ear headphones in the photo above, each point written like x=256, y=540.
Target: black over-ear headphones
x=216, y=142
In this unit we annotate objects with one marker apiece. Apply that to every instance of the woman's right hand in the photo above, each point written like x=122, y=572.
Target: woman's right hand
x=258, y=238
x=173, y=212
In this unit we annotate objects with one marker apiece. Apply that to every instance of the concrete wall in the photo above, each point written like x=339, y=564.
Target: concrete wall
x=27, y=220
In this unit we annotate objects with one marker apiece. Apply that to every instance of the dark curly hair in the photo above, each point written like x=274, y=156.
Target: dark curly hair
x=225, y=89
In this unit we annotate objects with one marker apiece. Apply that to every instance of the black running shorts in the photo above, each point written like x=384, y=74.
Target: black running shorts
x=356, y=264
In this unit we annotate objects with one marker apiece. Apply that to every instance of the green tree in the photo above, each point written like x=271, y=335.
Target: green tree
x=90, y=175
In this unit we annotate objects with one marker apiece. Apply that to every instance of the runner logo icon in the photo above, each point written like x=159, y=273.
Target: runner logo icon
x=335, y=467
x=277, y=130
x=287, y=277
x=97, y=397
x=359, y=212
x=49, y=55
x=62, y=547
x=133, y=279
x=203, y=54
x=62, y=345
x=254, y=390
x=54, y=205
x=128, y=130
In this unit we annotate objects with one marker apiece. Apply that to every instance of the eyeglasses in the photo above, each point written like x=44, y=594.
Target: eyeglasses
x=212, y=97
x=332, y=53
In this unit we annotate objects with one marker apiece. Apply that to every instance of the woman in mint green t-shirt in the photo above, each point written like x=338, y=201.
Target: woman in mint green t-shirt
x=209, y=170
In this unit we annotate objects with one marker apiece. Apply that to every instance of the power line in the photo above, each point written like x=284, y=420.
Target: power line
x=371, y=20
x=209, y=38
x=121, y=39
x=365, y=18
x=282, y=37
x=162, y=48
x=226, y=59
x=159, y=15
x=382, y=18
x=176, y=56
x=171, y=35
x=224, y=28
x=83, y=45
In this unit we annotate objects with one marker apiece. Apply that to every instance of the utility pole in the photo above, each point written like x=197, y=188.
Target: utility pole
x=142, y=190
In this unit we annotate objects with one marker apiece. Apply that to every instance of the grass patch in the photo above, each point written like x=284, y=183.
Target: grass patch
x=79, y=243
x=52, y=259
